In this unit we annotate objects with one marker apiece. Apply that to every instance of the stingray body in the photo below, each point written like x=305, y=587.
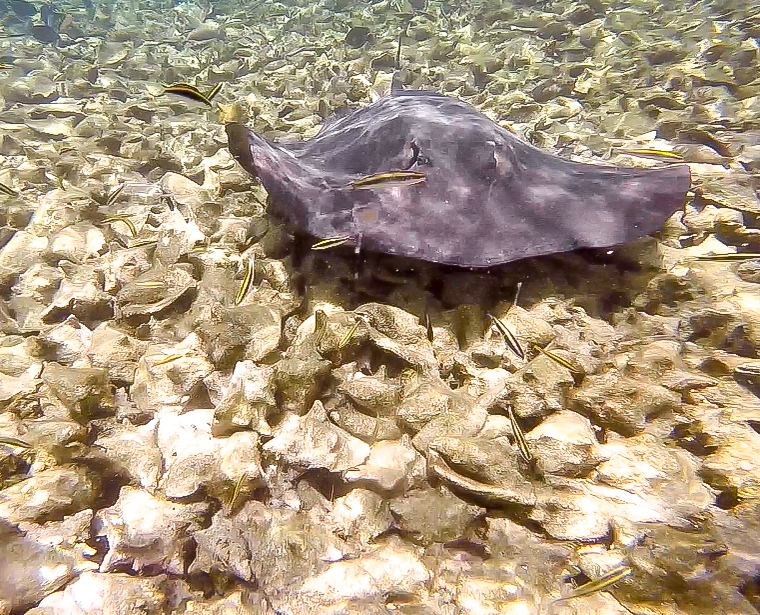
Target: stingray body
x=487, y=198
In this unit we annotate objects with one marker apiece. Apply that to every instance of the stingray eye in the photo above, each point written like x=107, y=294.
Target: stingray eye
x=411, y=153
x=500, y=162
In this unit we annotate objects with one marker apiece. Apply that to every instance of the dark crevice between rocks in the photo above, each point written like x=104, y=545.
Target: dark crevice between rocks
x=576, y=580
x=329, y=484
x=12, y=468
x=110, y=486
x=199, y=496
x=751, y=591
x=739, y=343
x=393, y=530
x=532, y=526
x=260, y=494
x=199, y=398
x=377, y=358
x=715, y=368
x=689, y=438
x=156, y=167
x=216, y=583
x=747, y=382
x=513, y=511
x=189, y=551
x=470, y=548
x=728, y=499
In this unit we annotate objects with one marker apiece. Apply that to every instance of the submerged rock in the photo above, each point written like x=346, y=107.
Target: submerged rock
x=247, y=400
x=485, y=469
x=312, y=441
x=166, y=377
x=621, y=403
x=103, y=590
x=298, y=380
x=361, y=516
x=434, y=515
x=395, y=568
x=146, y=532
x=57, y=492
x=643, y=466
x=391, y=467
x=565, y=444
x=277, y=548
x=43, y=560
x=84, y=392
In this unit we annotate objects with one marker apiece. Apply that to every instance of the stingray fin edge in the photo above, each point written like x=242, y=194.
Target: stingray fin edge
x=240, y=145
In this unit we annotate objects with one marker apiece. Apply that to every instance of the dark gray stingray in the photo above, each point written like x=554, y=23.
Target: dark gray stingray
x=488, y=198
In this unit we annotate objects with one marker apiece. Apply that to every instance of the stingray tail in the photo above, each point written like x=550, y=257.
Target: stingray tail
x=396, y=84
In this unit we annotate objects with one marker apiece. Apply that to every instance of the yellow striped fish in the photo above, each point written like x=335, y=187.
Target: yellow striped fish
x=508, y=336
x=350, y=334
x=654, y=154
x=519, y=436
x=389, y=179
x=556, y=359
x=214, y=91
x=143, y=242
x=7, y=190
x=230, y=504
x=727, y=258
x=11, y=441
x=114, y=194
x=247, y=279
x=320, y=326
x=429, y=328
x=602, y=583
x=188, y=91
x=125, y=219
x=331, y=242
x=169, y=359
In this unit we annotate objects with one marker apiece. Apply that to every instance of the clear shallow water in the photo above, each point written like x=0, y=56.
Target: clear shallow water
x=119, y=356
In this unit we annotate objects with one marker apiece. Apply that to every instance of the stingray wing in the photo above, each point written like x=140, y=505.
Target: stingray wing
x=540, y=206
x=300, y=190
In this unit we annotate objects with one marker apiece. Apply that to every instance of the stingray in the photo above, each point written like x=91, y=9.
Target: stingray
x=488, y=197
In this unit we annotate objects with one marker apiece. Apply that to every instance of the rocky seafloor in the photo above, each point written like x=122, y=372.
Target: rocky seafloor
x=172, y=445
